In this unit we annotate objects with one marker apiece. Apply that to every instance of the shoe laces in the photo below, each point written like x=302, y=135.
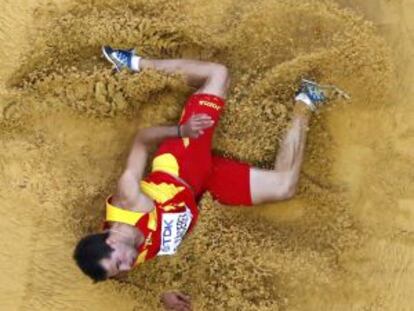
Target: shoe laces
x=122, y=56
x=316, y=92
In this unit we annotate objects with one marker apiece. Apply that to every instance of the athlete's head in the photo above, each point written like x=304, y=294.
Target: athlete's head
x=104, y=255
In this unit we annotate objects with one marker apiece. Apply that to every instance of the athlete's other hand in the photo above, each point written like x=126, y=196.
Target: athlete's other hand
x=176, y=301
x=196, y=125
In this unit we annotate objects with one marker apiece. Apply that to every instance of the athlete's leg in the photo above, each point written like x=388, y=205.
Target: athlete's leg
x=281, y=183
x=194, y=154
x=235, y=183
x=211, y=78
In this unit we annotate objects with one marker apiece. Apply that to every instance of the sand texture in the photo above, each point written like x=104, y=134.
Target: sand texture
x=345, y=242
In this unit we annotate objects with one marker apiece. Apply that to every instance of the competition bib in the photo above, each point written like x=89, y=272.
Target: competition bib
x=174, y=227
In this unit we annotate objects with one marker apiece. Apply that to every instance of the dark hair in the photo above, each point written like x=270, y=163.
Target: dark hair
x=89, y=251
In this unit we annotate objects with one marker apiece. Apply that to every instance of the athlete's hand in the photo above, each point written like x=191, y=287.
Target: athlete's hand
x=176, y=301
x=196, y=125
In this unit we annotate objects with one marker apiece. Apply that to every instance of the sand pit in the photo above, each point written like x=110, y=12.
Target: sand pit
x=344, y=243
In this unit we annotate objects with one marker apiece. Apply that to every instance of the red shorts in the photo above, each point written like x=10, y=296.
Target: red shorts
x=227, y=180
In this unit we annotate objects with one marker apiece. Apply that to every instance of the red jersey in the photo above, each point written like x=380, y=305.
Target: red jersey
x=183, y=168
x=174, y=215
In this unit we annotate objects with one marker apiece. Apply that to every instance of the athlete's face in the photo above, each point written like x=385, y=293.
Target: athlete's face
x=121, y=260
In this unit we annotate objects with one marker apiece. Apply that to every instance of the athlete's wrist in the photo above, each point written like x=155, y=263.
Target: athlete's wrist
x=179, y=131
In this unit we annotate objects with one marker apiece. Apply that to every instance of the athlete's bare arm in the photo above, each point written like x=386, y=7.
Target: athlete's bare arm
x=127, y=195
x=209, y=78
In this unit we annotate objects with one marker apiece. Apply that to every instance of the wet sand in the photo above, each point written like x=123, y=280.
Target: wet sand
x=344, y=243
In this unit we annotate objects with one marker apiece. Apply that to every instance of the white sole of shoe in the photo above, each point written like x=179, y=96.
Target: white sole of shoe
x=109, y=59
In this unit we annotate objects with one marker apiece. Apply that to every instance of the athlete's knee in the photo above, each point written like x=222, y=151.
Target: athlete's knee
x=290, y=191
x=292, y=185
x=272, y=186
x=220, y=72
x=218, y=80
x=287, y=188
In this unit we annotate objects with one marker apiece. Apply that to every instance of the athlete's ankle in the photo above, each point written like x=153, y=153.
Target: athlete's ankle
x=301, y=108
x=136, y=63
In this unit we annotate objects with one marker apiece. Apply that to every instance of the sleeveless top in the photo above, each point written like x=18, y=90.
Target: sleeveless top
x=174, y=215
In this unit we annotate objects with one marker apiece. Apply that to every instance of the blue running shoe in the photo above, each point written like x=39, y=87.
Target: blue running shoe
x=119, y=58
x=314, y=94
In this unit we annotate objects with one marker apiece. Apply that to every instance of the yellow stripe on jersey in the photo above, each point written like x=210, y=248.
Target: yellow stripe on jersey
x=167, y=163
x=141, y=257
x=161, y=193
x=121, y=215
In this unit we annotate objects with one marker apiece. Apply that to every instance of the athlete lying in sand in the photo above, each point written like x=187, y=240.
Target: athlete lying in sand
x=149, y=216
